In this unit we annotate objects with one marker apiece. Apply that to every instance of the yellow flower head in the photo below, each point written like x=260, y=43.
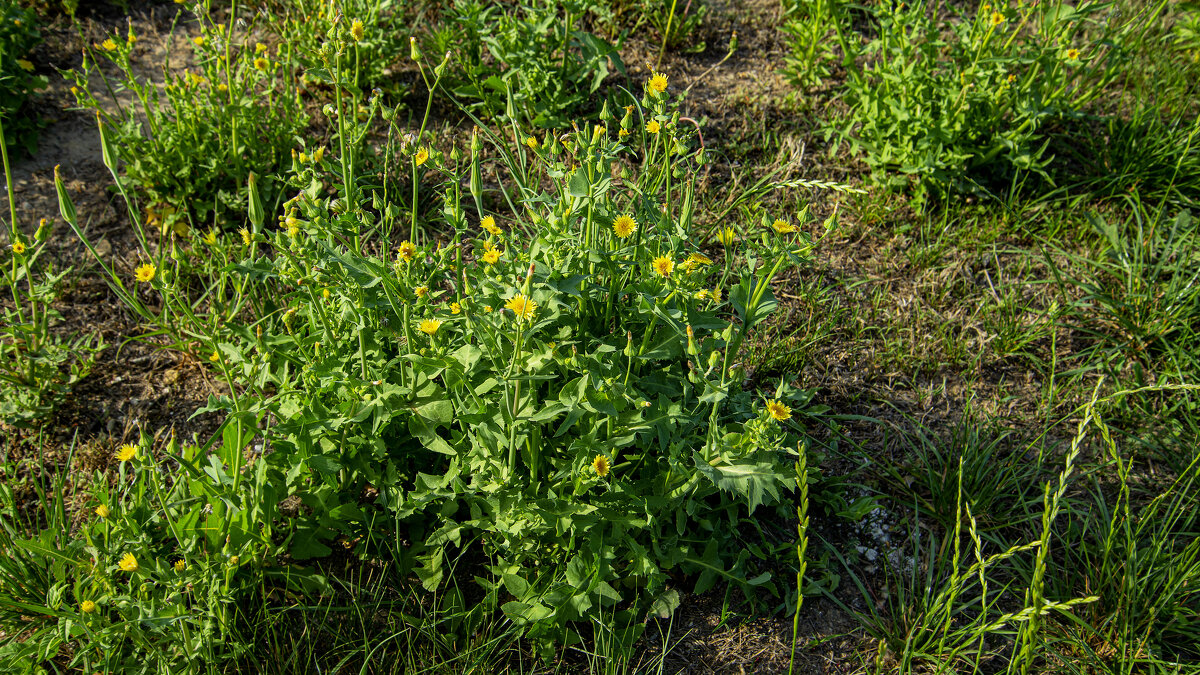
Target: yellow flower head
x=199, y=40
x=429, y=326
x=658, y=83
x=652, y=127
x=356, y=30
x=18, y=247
x=783, y=227
x=129, y=563
x=261, y=64
x=492, y=256
x=102, y=511
x=180, y=565
x=455, y=308
x=521, y=306
x=325, y=293
x=25, y=65
x=215, y=356
x=145, y=272
x=421, y=291
x=600, y=465
x=87, y=607
x=318, y=154
x=624, y=226
x=406, y=251
x=778, y=411
x=725, y=236
x=422, y=156
x=126, y=452
x=997, y=18
x=260, y=48
x=246, y=238
x=663, y=266
x=532, y=143
x=108, y=45
x=694, y=261
x=489, y=223
x=1072, y=54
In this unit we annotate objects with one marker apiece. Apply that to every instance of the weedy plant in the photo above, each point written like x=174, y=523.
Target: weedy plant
x=533, y=61
x=18, y=80
x=553, y=395
x=942, y=100
x=187, y=147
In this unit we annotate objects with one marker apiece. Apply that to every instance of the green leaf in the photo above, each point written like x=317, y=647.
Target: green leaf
x=751, y=480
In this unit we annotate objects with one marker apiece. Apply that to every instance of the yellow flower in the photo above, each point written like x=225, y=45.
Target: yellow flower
x=778, y=411
x=129, y=563
x=532, y=143
x=246, y=238
x=521, y=306
x=652, y=127
x=492, y=256
x=356, y=30
x=318, y=154
x=126, y=452
x=421, y=291
x=222, y=87
x=1072, y=54
x=624, y=226
x=260, y=48
x=293, y=227
x=429, y=326
x=725, y=236
x=658, y=83
x=18, y=247
x=87, y=607
x=715, y=293
x=489, y=223
x=406, y=251
x=180, y=565
x=600, y=465
x=261, y=64
x=102, y=511
x=693, y=261
x=422, y=155
x=25, y=65
x=108, y=45
x=997, y=18
x=455, y=308
x=145, y=272
x=663, y=266
x=325, y=293
x=199, y=40
x=303, y=158
x=215, y=356
x=783, y=227
x=622, y=133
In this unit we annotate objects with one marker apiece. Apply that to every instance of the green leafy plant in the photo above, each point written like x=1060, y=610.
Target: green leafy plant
x=18, y=80
x=188, y=147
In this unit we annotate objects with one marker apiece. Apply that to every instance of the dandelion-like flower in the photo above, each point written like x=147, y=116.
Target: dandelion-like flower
x=783, y=227
x=658, y=83
x=87, y=607
x=145, y=273
x=778, y=411
x=489, y=223
x=652, y=127
x=624, y=226
x=261, y=64
x=199, y=40
x=126, y=452
x=18, y=247
x=532, y=143
x=356, y=30
x=997, y=18
x=421, y=291
x=600, y=465
x=725, y=236
x=1072, y=54
x=421, y=157
x=108, y=45
x=246, y=238
x=215, y=356
x=102, y=511
x=521, y=306
x=406, y=251
x=455, y=308
x=429, y=326
x=695, y=260
x=663, y=266
x=492, y=256
x=260, y=48
x=180, y=565
x=129, y=563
